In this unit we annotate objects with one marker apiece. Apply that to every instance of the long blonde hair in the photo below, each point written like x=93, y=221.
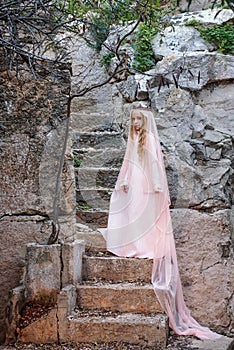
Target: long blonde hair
x=142, y=133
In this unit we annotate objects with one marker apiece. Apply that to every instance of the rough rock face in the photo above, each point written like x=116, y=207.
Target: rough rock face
x=208, y=16
x=33, y=115
x=204, y=251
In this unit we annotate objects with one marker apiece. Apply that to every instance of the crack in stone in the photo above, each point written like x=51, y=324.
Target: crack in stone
x=61, y=267
x=201, y=270
x=35, y=214
x=57, y=320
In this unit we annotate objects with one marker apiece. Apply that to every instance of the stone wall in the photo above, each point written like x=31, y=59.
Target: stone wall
x=32, y=127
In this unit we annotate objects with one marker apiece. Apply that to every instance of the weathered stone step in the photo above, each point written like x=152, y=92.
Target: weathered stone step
x=117, y=269
x=81, y=121
x=121, y=297
x=93, y=218
x=96, y=177
x=98, y=140
x=94, y=241
x=127, y=327
x=94, y=198
x=105, y=157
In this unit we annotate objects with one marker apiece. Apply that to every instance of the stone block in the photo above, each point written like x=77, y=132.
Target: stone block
x=94, y=241
x=179, y=39
x=117, y=269
x=98, y=140
x=121, y=297
x=101, y=158
x=223, y=343
x=96, y=178
x=204, y=250
x=15, y=304
x=15, y=232
x=129, y=328
x=95, y=218
x=66, y=305
x=72, y=254
x=94, y=198
x=208, y=16
x=43, y=269
x=42, y=331
x=84, y=121
x=66, y=302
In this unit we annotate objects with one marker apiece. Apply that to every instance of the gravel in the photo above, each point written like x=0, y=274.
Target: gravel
x=174, y=343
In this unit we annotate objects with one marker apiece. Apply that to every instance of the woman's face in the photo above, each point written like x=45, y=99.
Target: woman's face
x=137, y=120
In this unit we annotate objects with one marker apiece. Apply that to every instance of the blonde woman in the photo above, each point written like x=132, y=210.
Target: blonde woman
x=139, y=222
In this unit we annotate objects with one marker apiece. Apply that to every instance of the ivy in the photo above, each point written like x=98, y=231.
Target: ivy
x=144, y=57
x=221, y=36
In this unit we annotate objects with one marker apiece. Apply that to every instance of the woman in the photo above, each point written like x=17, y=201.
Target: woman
x=139, y=223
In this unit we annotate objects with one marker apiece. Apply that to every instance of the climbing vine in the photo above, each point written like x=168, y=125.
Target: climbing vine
x=142, y=42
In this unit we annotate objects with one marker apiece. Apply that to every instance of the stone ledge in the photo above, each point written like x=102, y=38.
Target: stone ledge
x=94, y=240
x=223, y=343
x=117, y=269
x=122, y=297
x=129, y=328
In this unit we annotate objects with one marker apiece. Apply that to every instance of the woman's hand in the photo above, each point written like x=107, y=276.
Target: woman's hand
x=157, y=189
x=125, y=188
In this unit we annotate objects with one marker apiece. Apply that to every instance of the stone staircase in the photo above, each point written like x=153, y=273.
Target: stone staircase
x=98, y=149
x=115, y=299
x=102, y=299
x=116, y=303
x=108, y=304
x=97, y=159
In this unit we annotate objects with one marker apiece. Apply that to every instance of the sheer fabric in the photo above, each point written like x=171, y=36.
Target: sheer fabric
x=139, y=225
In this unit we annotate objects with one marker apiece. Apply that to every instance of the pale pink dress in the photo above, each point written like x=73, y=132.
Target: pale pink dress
x=139, y=225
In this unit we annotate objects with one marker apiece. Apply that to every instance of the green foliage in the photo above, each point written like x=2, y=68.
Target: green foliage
x=106, y=59
x=144, y=56
x=99, y=16
x=76, y=161
x=83, y=206
x=221, y=36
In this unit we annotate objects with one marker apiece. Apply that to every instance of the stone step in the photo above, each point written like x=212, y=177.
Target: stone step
x=121, y=297
x=98, y=140
x=127, y=327
x=106, y=157
x=82, y=121
x=96, y=178
x=116, y=269
x=93, y=103
x=93, y=218
x=97, y=199
x=94, y=241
